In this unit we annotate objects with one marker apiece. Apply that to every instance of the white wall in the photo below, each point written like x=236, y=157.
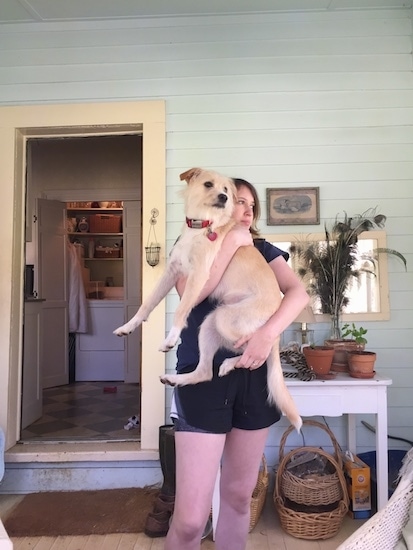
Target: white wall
x=291, y=99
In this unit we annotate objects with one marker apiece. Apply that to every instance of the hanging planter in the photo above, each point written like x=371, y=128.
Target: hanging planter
x=153, y=249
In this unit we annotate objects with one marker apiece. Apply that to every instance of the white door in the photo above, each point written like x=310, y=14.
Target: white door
x=32, y=384
x=52, y=288
x=132, y=238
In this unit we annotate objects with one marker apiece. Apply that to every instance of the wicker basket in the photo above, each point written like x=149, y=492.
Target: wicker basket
x=259, y=494
x=105, y=223
x=311, y=524
x=320, y=490
x=106, y=252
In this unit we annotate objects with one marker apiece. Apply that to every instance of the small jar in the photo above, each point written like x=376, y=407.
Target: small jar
x=83, y=225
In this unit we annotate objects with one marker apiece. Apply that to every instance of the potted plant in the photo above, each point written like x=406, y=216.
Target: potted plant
x=319, y=359
x=342, y=346
x=330, y=265
x=357, y=334
x=360, y=362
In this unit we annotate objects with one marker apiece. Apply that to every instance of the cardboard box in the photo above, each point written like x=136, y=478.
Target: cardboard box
x=357, y=475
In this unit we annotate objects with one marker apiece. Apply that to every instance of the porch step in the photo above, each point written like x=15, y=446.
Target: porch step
x=33, y=468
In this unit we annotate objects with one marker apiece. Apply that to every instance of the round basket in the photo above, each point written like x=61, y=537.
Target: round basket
x=310, y=525
x=259, y=494
x=319, y=490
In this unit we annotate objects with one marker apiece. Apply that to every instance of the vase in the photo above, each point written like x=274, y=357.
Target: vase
x=335, y=331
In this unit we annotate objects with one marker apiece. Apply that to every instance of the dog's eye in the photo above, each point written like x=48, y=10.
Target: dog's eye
x=208, y=184
x=226, y=189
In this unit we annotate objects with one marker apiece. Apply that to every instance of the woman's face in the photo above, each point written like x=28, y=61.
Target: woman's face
x=244, y=207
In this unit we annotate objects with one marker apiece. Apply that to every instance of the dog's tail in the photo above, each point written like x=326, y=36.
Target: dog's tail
x=278, y=393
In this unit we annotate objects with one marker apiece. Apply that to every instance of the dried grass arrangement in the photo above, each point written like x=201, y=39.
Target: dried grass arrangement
x=329, y=266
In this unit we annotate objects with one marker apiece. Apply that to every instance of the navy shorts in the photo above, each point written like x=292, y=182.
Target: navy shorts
x=237, y=400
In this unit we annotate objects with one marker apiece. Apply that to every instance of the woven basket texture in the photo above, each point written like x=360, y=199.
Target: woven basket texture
x=105, y=223
x=259, y=494
x=311, y=509
x=318, y=490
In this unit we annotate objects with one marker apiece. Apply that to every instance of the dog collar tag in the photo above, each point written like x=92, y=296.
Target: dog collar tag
x=211, y=235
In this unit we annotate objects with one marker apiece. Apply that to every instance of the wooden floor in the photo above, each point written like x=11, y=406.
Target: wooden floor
x=267, y=535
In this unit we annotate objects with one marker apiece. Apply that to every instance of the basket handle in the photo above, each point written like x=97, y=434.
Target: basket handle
x=319, y=451
x=264, y=465
x=337, y=449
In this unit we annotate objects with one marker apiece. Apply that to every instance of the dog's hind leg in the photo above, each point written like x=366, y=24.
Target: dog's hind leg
x=278, y=393
x=209, y=342
x=228, y=365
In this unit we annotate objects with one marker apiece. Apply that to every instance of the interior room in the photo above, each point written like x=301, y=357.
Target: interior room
x=77, y=272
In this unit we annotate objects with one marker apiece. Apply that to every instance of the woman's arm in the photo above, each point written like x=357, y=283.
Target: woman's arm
x=238, y=236
x=294, y=301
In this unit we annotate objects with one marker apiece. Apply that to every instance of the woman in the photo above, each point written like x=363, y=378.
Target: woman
x=227, y=420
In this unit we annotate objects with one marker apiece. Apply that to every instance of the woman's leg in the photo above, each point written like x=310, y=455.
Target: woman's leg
x=198, y=457
x=240, y=464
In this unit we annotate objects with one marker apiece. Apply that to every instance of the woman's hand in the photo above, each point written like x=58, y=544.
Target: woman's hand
x=257, y=350
x=239, y=236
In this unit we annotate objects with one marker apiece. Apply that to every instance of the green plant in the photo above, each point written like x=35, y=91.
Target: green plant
x=356, y=333
x=329, y=266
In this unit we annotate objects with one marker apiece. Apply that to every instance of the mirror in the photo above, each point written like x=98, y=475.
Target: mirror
x=369, y=295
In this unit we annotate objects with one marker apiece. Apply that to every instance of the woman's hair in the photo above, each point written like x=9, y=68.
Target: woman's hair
x=256, y=210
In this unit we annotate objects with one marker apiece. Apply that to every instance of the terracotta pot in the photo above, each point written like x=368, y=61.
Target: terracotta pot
x=319, y=358
x=361, y=363
x=341, y=349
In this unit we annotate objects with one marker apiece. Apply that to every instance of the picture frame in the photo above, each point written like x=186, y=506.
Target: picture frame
x=293, y=206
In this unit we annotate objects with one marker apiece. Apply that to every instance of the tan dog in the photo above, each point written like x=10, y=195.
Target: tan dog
x=247, y=294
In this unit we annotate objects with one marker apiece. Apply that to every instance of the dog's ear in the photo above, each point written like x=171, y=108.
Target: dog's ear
x=189, y=174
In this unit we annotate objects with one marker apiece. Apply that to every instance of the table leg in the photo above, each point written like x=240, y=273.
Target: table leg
x=351, y=433
x=381, y=455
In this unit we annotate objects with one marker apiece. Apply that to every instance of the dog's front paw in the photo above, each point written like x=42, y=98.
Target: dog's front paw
x=169, y=379
x=125, y=329
x=171, y=340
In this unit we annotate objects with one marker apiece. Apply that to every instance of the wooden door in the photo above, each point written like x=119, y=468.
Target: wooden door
x=32, y=384
x=132, y=239
x=52, y=288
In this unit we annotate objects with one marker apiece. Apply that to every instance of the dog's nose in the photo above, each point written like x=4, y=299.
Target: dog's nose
x=222, y=198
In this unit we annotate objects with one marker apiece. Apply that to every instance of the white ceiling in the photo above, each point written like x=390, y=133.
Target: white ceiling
x=31, y=11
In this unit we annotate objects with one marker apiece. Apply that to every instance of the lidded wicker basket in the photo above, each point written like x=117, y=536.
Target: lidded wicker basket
x=311, y=507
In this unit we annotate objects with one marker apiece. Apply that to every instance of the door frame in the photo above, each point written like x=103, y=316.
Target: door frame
x=20, y=123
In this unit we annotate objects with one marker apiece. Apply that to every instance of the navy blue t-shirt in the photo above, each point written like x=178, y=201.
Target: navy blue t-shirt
x=188, y=351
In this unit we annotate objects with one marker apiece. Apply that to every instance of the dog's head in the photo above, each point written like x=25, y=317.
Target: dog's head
x=208, y=195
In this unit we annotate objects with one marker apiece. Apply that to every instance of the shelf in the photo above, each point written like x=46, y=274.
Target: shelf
x=94, y=210
x=87, y=234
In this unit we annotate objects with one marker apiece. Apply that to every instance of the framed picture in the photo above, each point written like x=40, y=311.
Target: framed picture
x=293, y=206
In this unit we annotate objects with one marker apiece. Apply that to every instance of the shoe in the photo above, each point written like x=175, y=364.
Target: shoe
x=157, y=524
x=164, y=503
x=133, y=422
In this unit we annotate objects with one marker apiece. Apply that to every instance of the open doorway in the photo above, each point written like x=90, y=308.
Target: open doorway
x=19, y=124
x=90, y=379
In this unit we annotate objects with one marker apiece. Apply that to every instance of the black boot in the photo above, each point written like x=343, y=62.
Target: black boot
x=167, y=458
